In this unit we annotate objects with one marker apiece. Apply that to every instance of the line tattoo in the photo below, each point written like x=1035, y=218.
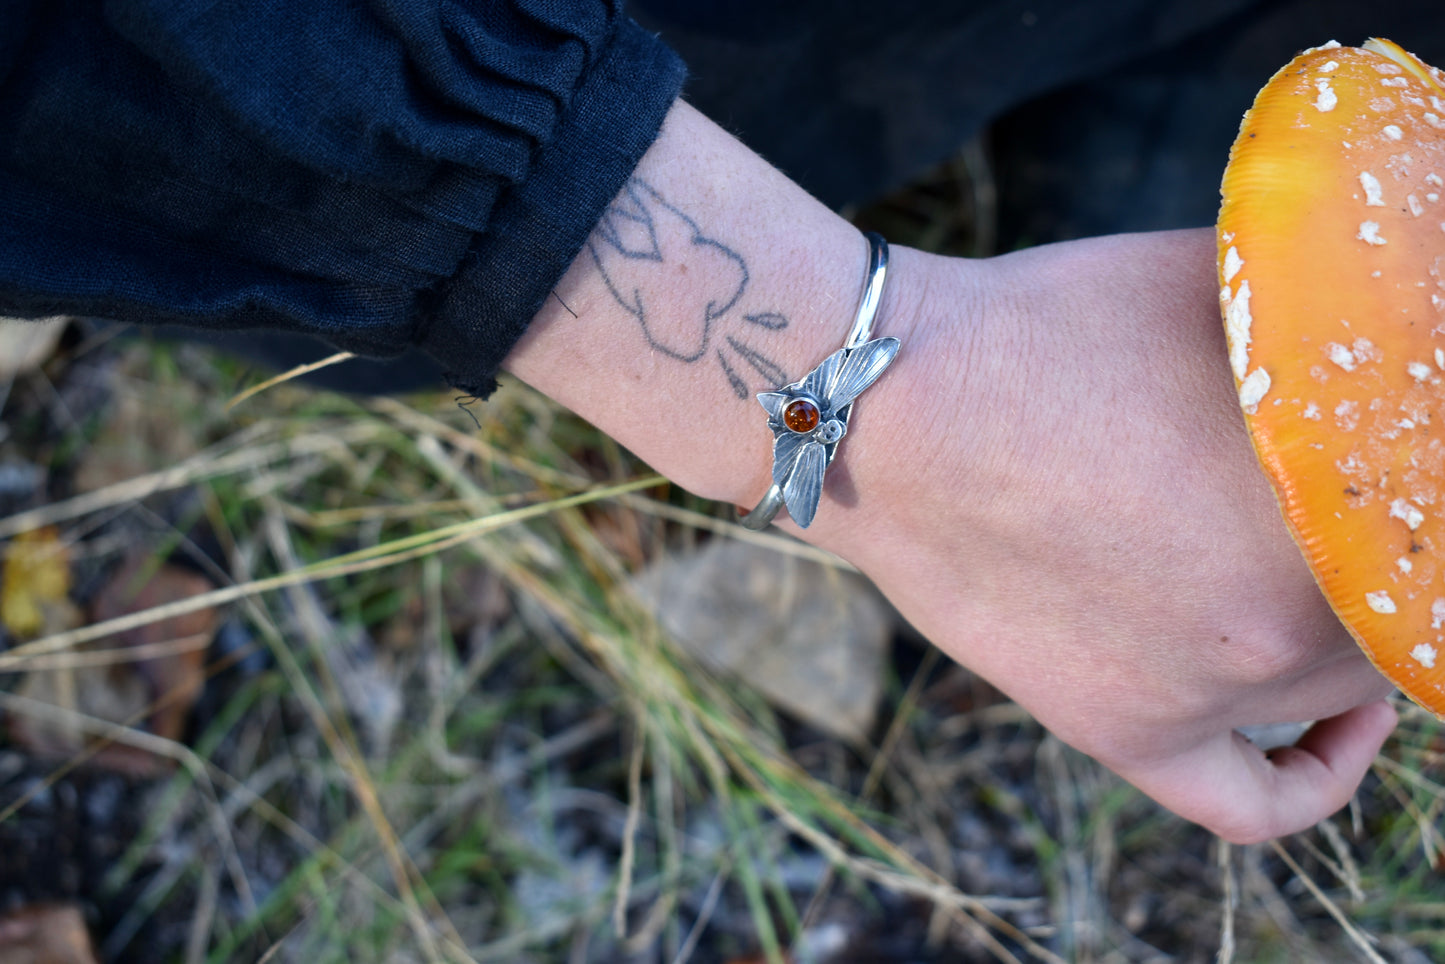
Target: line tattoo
x=770, y=320
x=739, y=385
x=641, y=246
x=761, y=363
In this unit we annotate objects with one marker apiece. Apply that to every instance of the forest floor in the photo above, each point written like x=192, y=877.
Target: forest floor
x=417, y=696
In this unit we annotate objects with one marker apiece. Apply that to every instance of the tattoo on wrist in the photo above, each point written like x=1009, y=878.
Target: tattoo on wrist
x=652, y=254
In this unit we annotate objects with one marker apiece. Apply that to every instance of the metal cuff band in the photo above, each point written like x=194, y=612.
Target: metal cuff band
x=810, y=417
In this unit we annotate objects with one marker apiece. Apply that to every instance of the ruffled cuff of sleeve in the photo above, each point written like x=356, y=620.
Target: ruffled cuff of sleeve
x=540, y=226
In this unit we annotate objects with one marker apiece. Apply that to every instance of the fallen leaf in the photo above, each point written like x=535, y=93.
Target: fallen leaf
x=176, y=675
x=150, y=675
x=809, y=637
x=45, y=934
x=36, y=579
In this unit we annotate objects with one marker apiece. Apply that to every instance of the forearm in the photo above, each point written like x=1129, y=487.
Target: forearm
x=751, y=284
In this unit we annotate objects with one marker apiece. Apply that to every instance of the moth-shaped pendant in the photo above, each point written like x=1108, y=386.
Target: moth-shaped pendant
x=810, y=416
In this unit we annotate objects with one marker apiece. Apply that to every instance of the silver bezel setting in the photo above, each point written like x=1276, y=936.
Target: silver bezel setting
x=801, y=459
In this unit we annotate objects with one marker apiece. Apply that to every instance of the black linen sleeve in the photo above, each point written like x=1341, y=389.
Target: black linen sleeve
x=378, y=174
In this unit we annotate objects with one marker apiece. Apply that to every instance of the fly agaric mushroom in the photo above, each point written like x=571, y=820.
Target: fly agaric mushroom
x=1332, y=273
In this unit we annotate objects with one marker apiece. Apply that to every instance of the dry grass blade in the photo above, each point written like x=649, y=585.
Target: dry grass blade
x=140, y=652
x=425, y=425
x=203, y=918
x=1358, y=937
x=329, y=518
x=1430, y=837
x=1229, y=898
x=876, y=768
x=287, y=376
x=241, y=453
x=629, y=830
x=1344, y=867
x=704, y=915
x=977, y=914
x=768, y=539
x=365, y=560
x=342, y=744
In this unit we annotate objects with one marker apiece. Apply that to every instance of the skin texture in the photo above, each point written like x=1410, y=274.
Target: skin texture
x=1053, y=481
x=1117, y=562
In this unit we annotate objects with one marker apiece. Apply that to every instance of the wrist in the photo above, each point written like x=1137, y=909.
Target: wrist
x=712, y=278
x=890, y=465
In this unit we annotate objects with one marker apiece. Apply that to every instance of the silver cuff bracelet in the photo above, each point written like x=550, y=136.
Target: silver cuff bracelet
x=810, y=417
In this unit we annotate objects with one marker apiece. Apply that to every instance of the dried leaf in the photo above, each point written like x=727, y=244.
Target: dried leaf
x=149, y=676
x=45, y=934
x=36, y=579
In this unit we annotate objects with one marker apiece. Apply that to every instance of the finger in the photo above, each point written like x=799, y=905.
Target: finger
x=1229, y=786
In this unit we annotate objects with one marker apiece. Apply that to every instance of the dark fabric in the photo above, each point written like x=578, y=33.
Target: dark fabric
x=377, y=174
x=1142, y=147
x=409, y=178
x=1103, y=116
x=852, y=99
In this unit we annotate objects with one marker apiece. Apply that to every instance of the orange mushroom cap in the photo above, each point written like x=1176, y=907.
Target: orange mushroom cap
x=1332, y=275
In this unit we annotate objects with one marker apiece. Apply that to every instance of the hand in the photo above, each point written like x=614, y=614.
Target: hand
x=1052, y=481
x=1055, y=485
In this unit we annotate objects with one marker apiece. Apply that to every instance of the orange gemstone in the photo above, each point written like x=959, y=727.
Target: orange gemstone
x=801, y=416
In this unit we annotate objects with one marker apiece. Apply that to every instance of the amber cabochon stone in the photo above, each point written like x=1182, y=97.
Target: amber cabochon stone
x=801, y=416
x=1332, y=283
